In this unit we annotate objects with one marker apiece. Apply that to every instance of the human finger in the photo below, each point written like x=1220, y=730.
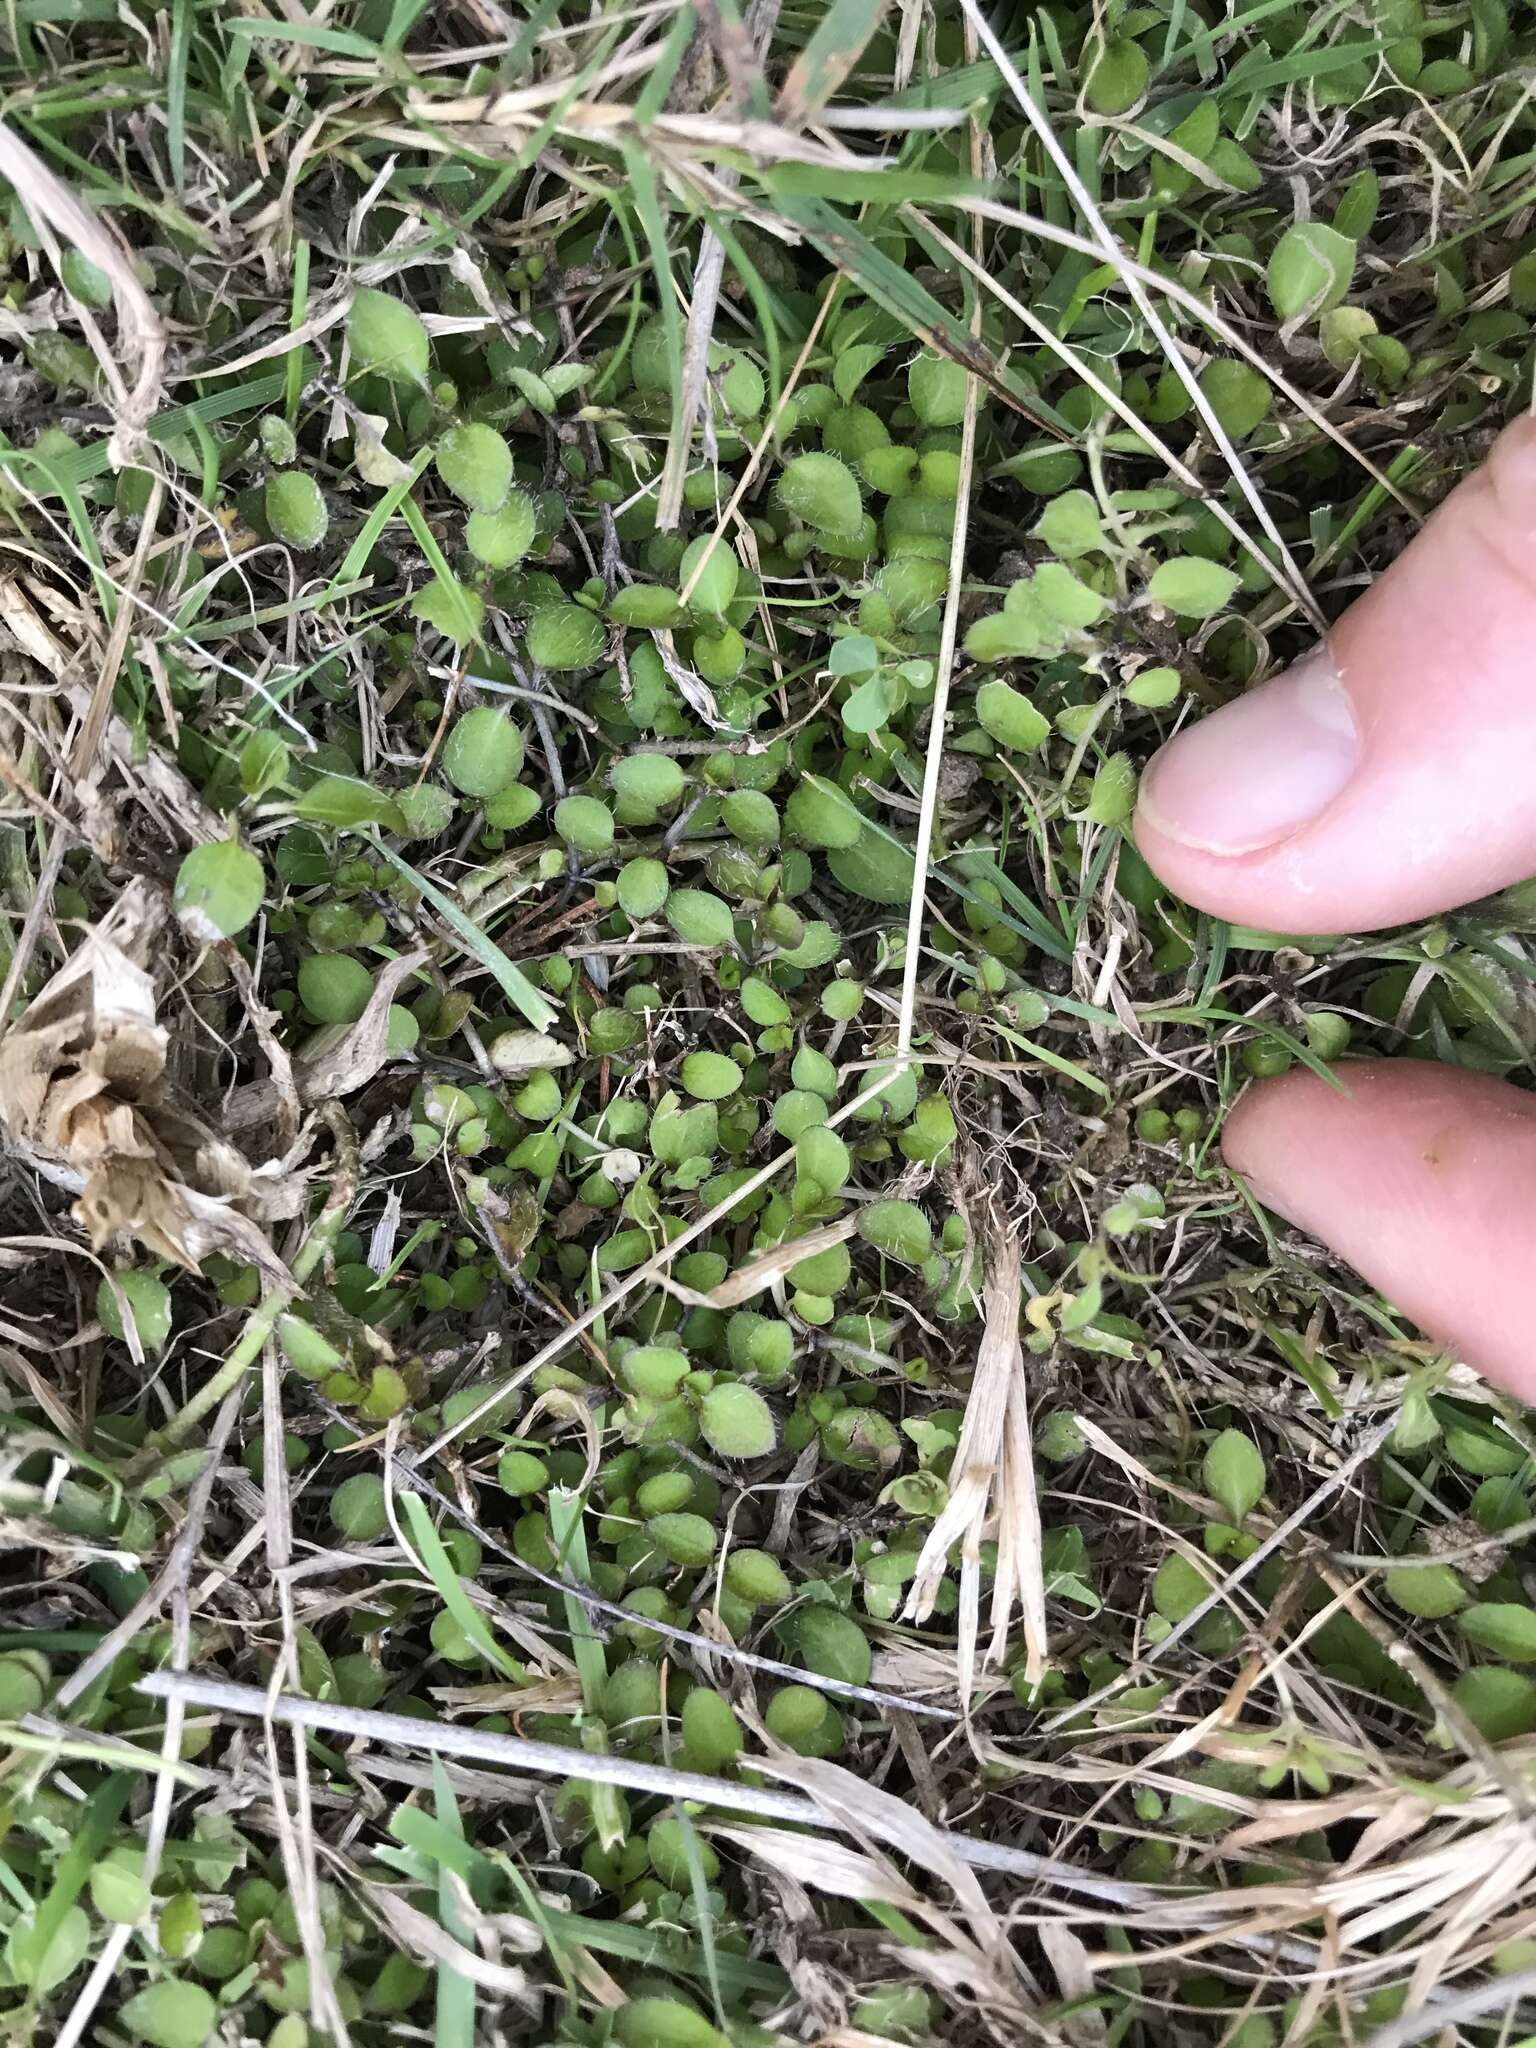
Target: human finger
x=1421, y=1177
x=1390, y=774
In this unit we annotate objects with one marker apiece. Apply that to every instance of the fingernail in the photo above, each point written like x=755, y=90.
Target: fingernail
x=1260, y=768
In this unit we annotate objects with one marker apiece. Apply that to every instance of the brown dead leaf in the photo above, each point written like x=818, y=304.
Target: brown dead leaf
x=83, y=1100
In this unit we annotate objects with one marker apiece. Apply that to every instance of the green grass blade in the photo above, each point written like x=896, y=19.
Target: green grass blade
x=513, y=983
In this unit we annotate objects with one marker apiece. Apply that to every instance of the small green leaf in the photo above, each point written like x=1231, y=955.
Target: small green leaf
x=1310, y=270
x=264, y=762
x=899, y=1230
x=1192, y=587
x=1234, y=1473
x=1070, y=526
x=388, y=337
x=564, y=637
x=700, y=919
x=709, y=1076
x=1117, y=78
x=343, y=801
x=936, y=387
x=476, y=465
x=484, y=752
x=737, y=1422
x=41, y=1968
x=585, y=824
x=1501, y=1704
x=219, y=890
x=1179, y=1587
x=822, y=491
x=869, y=706
x=1431, y=1591
x=649, y=606
x=1502, y=1627
x=1113, y=796
x=642, y=887
x=710, y=573
x=171, y=2015
x=853, y=365
x=500, y=539
x=1011, y=719
x=1154, y=689
x=449, y=606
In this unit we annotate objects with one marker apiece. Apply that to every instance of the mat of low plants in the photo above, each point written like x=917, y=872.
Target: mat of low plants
x=637, y=1412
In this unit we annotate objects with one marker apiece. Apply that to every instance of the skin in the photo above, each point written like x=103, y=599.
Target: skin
x=1416, y=758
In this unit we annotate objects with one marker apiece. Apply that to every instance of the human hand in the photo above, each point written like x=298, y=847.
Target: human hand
x=1389, y=776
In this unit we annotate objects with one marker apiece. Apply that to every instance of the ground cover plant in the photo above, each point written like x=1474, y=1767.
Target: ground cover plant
x=526, y=534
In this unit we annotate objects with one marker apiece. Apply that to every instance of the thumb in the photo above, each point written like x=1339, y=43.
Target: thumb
x=1447, y=1228
x=1391, y=774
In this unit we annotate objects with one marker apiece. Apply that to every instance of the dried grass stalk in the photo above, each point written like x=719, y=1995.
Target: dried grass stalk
x=992, y=1483
x=140, y=331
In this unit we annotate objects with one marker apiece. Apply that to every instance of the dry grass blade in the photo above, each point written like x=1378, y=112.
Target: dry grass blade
x=56, y=210
x=826, y=1866
x=946, y=1851
x=992, y=1481
x=1083, y=200
x=769, y=1267
x=351, y=1063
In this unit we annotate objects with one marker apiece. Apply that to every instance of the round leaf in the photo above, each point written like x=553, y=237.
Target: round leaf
x=218, y=890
